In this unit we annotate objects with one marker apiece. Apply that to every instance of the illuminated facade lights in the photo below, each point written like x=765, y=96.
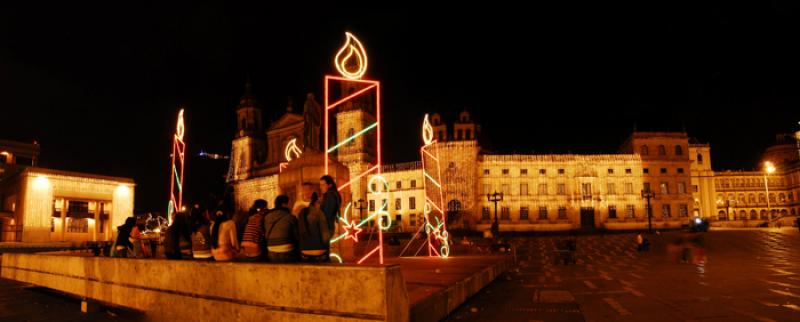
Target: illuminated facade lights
x=178, y=158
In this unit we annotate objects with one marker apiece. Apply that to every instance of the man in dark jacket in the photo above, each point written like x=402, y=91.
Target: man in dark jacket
x=281, y=233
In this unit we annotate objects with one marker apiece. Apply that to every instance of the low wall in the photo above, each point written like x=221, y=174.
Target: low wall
x=209, y=291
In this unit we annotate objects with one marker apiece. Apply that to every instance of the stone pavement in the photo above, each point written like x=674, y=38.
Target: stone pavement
x=745, y=275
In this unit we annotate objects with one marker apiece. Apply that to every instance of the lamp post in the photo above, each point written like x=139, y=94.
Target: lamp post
x=769, y=168
x=495, y=197
x=648, y=194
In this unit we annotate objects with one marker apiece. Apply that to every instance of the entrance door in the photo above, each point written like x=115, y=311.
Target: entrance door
x=587, y=217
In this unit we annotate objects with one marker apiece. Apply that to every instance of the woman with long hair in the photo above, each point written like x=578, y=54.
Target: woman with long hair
x=314, y=233
x=123, y=243
x=331, y=200
x=224, y=242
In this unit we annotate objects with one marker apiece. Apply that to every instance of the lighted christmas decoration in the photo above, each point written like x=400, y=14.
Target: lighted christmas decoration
x=435, y=220
x=351, y=62
x=178, y=150
x=291, y=152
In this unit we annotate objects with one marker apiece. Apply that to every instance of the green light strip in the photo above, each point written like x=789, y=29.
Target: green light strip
x=353, y=137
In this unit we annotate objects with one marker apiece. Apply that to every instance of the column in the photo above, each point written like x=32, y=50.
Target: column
x=64, y=205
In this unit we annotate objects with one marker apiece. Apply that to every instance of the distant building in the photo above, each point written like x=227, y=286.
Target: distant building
x=44, y=205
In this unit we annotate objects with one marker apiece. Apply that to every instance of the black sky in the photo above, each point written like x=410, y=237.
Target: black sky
x=99, y=86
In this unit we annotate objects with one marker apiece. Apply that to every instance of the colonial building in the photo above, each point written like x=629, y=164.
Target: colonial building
x=668, y=171
x=42, y=205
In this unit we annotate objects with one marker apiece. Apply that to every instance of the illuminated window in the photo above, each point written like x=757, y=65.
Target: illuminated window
x=505, y=213
x=612, y=188
x=586, y=190
x=662, y=150
x=398, y=204
x=543, y=213
x=664, y=188
x=523, y=213
x=350, y=133
x=412, y=203
x=543, y=189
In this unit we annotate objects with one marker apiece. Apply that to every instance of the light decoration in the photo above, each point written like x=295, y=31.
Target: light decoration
x=38, y=202
x=292, y=149
x=291, y=152
x=178, y=158
x=435, y=220
x=352, y=49
x=351, y=62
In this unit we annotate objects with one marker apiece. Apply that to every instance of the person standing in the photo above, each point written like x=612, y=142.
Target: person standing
x=331, y=201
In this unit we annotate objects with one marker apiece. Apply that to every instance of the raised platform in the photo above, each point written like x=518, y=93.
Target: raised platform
x=416, y=289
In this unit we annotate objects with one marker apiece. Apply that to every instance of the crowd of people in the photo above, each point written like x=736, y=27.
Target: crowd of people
x=281, y=234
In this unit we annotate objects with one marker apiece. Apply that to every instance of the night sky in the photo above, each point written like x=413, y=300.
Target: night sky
x=99, y=86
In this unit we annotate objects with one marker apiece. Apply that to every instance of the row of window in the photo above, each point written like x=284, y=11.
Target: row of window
x=398, y=204
x=398, y=185
x=749, y=182
x=586, y=188
x=662, y=150
x=753, y=214
x=663, y=170
x=751, y=198
x=561, y=212
x=524, y=172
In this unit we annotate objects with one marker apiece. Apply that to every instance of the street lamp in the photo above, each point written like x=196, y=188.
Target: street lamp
x=495, y=197
x=769, y=168
x=648, y=194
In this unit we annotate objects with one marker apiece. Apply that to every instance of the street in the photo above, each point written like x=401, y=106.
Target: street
x=745, y=275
